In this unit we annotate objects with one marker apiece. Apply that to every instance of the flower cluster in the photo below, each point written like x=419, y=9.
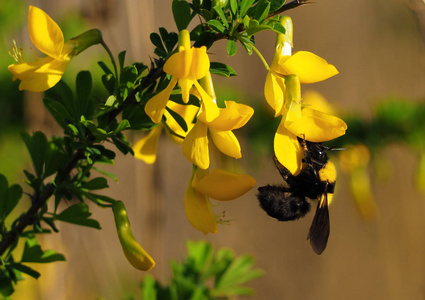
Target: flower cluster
x=189, y=69
x=282, y=91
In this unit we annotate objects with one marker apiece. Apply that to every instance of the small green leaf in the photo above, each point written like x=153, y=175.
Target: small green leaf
x=223, y=18
x=97, y=183
x=83, y=86
x=181, y=13
x=108, y=174
x=37, y=147
x=244, y=6
x=222, y=69
x=121, y=59
x=58, y=111
x=14, y=194
x=34, y=254
x=234, y=7
x=25, y=269
x=231, y=48
x=156, y=40
x=276, y=4
x=110, y=101
x=123, y=125
x=262, y=10
x=179, y=119
x=78, y=214
x=216, y=25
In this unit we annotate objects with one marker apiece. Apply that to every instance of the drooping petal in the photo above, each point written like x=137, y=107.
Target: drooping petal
x=307, y=66
x=316, y=126
x=274, y=92
x=145, y=148
x=45, y=34
x=198, y=209
x=156, y=105
x=39, y=75
x=226, y=142
x=209, y=109
x=234, y=116
x=288, y=150
x=223, y=185
x=195, y=146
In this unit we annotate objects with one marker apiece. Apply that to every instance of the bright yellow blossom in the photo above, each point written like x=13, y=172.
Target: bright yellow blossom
x=186, y=67
x=307, y=66
x=303, y=122
x=145, y=148
x=45, y=34
x=195, y=145
x=220, y=185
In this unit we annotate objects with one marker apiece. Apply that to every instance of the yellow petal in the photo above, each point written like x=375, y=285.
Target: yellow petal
x=185, y=85
x=223, y=185
x=200, y=63
x=288, y=150
x=195, y=146
x=198, y=210
x=316, y=126
x=234, y=116
x=145, y=148
x=39, y=75
x=274, y=92
x=156, y=105
x=307, y=66
x=209, y=109
x=226, y=142
x=191, y=63
x=45, y=34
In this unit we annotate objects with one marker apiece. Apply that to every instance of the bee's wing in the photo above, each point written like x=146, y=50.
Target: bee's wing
x=284, y=172
x=320, y=227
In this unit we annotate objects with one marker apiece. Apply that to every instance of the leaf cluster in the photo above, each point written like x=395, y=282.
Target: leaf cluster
x=205, y=274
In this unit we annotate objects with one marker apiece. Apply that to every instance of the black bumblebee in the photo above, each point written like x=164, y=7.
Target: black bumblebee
x=316, y=181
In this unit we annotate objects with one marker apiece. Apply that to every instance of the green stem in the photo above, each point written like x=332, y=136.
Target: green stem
x=261, y=57
x=114, y=65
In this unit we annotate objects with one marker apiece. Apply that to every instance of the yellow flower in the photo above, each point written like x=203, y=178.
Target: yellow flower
x=355, y=161
x=146, y=147
x=303, y=122
x=45, y=34
x=195, y=145
x=220, y=185
x=186, y=67
x=307, y=66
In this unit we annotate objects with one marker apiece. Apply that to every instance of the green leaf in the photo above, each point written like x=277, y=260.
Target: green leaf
x=6, y=285
x=238, y=273
x=25, y=269
x=14, y=194
x=58, y=111
x=231, y=47
x=148, y=288
x=83, y=86
x=222, y=69
x=179, y=119
x=244, y=6
x=262, y=10
x=181, y=13
x=34, y=254
x=123, y=125
x=108, y=174
x=276, y=4
x=223, y=18
x=121, y=59
x=97, y=183
x=169, y=39
x=78, y=214
x=156, y=40
x=201, y=252
x=37, y=147
x=96, y=197
x=216, y=25
x=234, y=7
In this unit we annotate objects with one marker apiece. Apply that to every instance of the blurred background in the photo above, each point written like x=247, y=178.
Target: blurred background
x=378, y=48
